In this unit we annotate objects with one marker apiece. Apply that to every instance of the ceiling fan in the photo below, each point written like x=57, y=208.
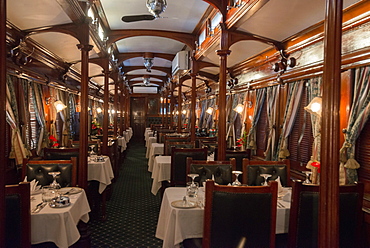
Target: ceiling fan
x=155, y=7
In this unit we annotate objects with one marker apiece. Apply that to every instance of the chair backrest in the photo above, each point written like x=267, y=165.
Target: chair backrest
x=178, y=163
x=236, y=215
x=39, y=169
x=178, y=144
x=95, y=144
x=304, y=209
x=252, y=169
x=199, y=140
x=210, y=145
x=17, y=216
x=220, y=170
x=239, y=155
x=161, y=133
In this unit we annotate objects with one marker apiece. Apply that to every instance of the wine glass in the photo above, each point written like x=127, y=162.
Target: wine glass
x=92, y=152
x=308, y=174
x=265, y=176
x=193, y=176
x=55, y=184
x=237, y=182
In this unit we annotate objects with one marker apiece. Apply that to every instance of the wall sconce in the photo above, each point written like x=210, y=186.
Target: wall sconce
x=209, y=110
x=250, y=104
x=177, y=112
x=99, y=110
x=59, y=105
x=239, y=108
x=184, y=112
x=315, y=106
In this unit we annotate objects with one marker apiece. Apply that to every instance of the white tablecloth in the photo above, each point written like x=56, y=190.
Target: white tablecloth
x=148, y=133
x=155, y=149
x=121, y=141
x=100, y=171
x=59, y=225
x=161, y=172
x=126, y=135
x=175, y=224
x=130, y=133
x=149, y=143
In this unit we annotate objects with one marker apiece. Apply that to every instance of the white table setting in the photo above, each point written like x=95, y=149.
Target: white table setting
x=100, y=170
x=122, y=143
x=177, y=223
x=149, y=143
x=58, y=224
x=161, y=171
x=155, y=149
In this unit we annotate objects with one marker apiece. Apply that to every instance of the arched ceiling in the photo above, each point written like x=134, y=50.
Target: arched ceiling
x=273, y=19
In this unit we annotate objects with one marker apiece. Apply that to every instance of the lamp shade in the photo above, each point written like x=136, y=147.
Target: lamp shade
x=239, y=108
x=315, y=106
x=209, y=110
x=59, y=105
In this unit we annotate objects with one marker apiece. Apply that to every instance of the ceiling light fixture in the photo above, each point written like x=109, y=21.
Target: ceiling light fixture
x=148, y=63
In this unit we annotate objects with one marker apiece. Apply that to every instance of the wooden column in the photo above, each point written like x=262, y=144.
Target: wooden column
x=330, y=129
x=179, y=107
x=82, y=166
x=193, y=103
x=172, y=105
x=116, y=104
x=122, y=109
x=127, y=109
x=3, y=161
x=106, y=107
x=162, y=106
x=167, y=109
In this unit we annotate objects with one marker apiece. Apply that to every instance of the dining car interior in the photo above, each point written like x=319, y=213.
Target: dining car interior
x=184, y=123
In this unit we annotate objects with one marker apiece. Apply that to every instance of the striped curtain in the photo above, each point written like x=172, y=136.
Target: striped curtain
x=291, y=109
x=251, y=137
x=272, y=99
x=359, y=114
x=40, y=116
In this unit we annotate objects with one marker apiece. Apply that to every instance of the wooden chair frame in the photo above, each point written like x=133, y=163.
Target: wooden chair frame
x=186, y=151
x=299, y=188
x=72, y=161
x=190, y=161
x=168, y=144
x=247, y=162
x=211, y=188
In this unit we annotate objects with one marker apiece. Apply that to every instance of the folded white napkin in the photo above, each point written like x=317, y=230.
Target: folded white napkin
x=33, y=185
x=287, y=197
x=280, y=187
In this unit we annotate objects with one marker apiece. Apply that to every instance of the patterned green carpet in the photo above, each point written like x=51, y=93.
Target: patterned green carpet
x=132, y=210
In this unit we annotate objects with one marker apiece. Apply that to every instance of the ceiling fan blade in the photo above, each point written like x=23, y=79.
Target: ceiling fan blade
x=136, y=18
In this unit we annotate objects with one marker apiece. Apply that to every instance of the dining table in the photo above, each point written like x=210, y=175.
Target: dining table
x=122, y=143
x=149, y=143
x=155, y=149
x=161, y=171
x=100, y=171
x=175, y=224
x=59, y=225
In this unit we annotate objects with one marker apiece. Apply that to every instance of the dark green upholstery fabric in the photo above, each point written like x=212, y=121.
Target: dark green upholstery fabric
x=254, y=172
x=222, y=173
x=178, y=163
x=61, y=154
x=40, y=173
x=251, y=213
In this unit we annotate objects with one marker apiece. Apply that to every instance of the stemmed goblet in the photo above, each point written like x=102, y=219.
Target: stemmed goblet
x=265, y=176
x=193, y=176
x=192, y=187
x=55, y=184
x=308, y=174
x=237, y=182
x=92, y=152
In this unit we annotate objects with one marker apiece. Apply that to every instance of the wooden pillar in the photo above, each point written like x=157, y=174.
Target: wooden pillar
x=127, y=109
x=223, y=53
x=116, y=104
x=330, y=129
x=3, y=161
x=82, y=166
x=167, y=109
x=162, y=107
x=122, y=109
x=179, y=108
x=172, y=103
x=106, y=107
x=193, y=103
